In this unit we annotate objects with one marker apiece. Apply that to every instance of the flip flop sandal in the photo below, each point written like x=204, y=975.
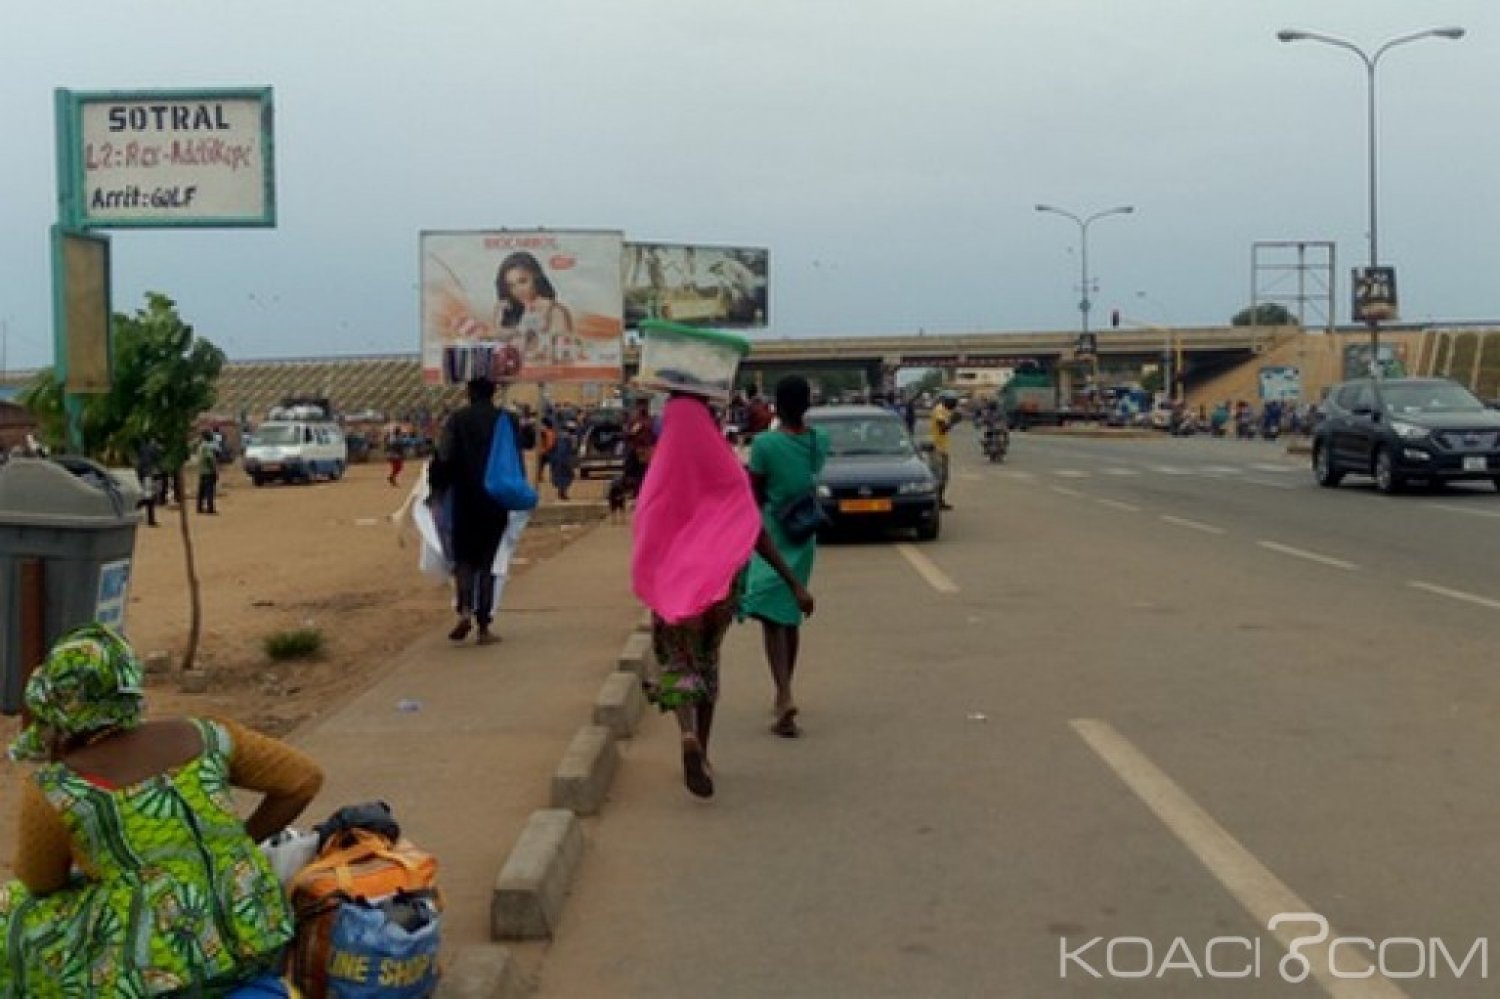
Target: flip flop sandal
x=695, y=769
x=786, y=724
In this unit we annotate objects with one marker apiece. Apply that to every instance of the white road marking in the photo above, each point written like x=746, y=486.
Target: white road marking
x=1455, y=594
x=1268, y=483
x=1022, y=476
x=1169, y=470
x=1220, y=470
x=1117, y=505
x=1064, y=491
x=1252, y=884
x=1121, y=471
x=1195, y=525
x=1463, y=509
x=928, y=570
x=1337, y=563
x=1069, y=473
x=1266, y=466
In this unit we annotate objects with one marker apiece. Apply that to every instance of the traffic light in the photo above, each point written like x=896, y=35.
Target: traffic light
x=1114, y=318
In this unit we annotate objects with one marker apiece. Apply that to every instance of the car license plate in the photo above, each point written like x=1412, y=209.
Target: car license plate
x=1475, y=463
x=865, y=506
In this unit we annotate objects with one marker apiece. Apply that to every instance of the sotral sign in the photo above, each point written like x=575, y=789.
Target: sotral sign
x=162, y=117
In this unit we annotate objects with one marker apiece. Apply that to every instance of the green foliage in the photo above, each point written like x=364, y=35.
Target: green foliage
x=164, y=378
x=1265, y=314
x=299, y=643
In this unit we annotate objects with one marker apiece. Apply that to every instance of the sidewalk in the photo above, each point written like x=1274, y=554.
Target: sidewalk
x=464, y=770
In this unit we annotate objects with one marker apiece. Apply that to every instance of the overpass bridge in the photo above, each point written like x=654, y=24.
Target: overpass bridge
x=1197, y=350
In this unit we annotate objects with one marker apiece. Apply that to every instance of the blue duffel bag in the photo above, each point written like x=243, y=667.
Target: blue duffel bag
x=385, y=949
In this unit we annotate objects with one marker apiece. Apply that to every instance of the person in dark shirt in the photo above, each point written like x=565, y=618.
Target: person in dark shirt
x=478, y=521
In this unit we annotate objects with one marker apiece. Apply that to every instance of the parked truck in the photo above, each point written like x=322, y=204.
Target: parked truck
x=1030, y=399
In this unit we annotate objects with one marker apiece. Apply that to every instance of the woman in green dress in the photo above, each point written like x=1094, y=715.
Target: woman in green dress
x=784, y=468
x=136, y=877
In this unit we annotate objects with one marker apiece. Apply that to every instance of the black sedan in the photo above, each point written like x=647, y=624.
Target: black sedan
x=874, y=476
x=1398, y=429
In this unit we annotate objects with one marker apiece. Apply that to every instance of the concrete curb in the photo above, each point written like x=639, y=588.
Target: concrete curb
x=643, y=623
x=581, y=781
x=529, y=893
x=483, y=972
x=620, y=704
x=633, y=655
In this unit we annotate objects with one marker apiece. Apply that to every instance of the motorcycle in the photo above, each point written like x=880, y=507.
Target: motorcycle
x=995, y=442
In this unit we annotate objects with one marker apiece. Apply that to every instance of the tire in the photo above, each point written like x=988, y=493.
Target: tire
x=258, y=480
x=1323, y=471
x=338, y=471
x=1387, y=479
x=930, y=531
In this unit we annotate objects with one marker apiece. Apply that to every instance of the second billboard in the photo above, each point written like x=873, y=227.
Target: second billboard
x=700, y=285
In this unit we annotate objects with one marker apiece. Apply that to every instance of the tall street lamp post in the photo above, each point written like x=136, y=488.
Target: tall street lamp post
x=1370, y=61
x=1083, y=256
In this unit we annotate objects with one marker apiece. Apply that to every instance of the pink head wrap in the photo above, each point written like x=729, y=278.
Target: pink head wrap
x=696, y=522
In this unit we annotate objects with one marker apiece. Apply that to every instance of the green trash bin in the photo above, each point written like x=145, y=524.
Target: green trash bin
x=77, y=520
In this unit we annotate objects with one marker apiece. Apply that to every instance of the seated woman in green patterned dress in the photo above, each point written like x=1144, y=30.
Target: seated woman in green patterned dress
x=135, y=875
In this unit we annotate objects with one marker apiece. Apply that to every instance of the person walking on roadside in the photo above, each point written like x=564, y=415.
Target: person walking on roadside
x=208, y=472
x=564, y=459
x=944, y=416
x=784, y=467
x=546, y=440
x=640, y=443
x=478, y=522
x=395, y=455
x=147, y=469
x=696, y=526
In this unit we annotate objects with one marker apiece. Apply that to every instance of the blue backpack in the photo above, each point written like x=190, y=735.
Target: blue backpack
x=504, y=474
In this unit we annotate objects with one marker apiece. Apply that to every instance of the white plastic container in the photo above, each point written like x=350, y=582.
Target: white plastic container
x=677, y=358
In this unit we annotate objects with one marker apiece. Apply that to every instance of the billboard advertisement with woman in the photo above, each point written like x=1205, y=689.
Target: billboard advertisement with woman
x=521, y=305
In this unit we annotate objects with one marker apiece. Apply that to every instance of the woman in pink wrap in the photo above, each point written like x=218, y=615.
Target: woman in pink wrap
x=696, y=526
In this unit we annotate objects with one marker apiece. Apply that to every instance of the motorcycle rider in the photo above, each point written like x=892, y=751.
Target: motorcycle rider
x=995, y=434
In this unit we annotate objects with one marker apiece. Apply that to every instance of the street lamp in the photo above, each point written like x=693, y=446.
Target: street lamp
x=1370, y=61
x=1083, y=245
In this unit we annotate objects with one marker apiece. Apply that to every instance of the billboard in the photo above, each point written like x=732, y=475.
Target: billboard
x=522, y=305
x=1375, y=298
x=697, y=285
x=160, y=158
x=1357, y=361
x=1280, y=383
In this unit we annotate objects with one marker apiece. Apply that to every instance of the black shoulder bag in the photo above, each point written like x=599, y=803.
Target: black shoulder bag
x=802, y=516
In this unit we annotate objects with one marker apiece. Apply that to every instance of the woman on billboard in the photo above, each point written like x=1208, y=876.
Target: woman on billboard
x=528, y=306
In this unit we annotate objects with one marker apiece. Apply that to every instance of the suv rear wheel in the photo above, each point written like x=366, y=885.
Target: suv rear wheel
x=1323, y=469
x=1387, y=480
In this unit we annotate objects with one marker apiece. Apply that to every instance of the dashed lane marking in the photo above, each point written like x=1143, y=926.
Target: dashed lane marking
x=1329, y=560
x=1463, y=509
x=928, y=570
x=1069, y=473
x=1122, y=471
x=1117, y=505
x=1268, y=483
x=1192, y=524
x=1443, y=591
x=1064, y=491
x=1252, y=884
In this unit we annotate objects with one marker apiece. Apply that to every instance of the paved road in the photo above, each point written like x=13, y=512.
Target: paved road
x=1154, y=689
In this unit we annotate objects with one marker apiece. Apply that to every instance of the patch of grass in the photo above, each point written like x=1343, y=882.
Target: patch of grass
x=299, y=643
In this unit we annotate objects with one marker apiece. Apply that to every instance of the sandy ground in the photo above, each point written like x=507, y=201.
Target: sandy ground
x=325, y=556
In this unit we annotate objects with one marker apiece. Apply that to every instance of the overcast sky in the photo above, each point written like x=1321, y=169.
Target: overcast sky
x=889, y=154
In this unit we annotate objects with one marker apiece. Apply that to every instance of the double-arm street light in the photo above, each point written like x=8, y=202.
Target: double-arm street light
x=1083, y=257
x=1370, y=61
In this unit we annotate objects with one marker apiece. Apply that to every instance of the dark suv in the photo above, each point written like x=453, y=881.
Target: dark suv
x=1397, y=429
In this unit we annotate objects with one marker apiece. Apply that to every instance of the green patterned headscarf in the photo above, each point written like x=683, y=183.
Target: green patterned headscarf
x=90, y=680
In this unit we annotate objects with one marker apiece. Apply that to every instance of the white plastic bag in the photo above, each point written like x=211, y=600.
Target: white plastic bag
x=289, y=851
